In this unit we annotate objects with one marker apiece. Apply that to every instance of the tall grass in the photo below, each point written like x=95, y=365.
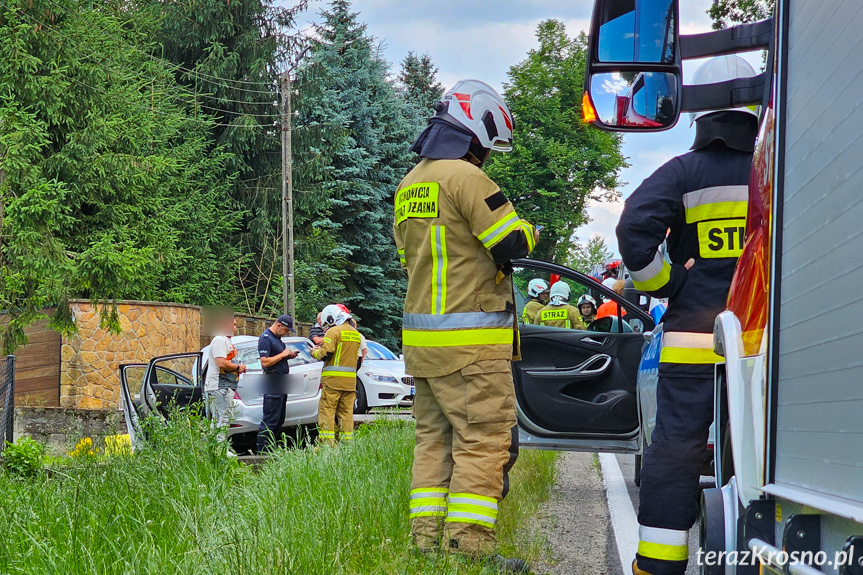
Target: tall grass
x=179, y=506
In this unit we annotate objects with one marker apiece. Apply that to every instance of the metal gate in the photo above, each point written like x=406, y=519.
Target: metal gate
x=7, y=400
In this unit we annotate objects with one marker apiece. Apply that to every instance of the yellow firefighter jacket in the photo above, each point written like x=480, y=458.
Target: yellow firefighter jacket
x=565, y=316
x=339, y=352
x=530, y=314
x=454, y=229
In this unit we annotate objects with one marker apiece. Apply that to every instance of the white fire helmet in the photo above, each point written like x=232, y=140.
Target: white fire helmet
x=723, y=69
x=536, y=287
x=333, y=315
x=559, y=293
x=586, y=299
x=476, y=106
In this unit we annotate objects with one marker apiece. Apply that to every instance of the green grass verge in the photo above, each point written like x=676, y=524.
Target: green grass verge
x=179, y=506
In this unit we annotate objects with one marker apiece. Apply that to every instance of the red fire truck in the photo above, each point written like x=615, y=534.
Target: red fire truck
x=789, y=394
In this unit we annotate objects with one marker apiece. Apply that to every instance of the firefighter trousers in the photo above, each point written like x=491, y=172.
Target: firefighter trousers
x=336, y=404
x=671, y=468
x=466, y=443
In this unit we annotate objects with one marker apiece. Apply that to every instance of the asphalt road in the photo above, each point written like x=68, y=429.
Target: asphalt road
x=627, y=469
x=590, y=523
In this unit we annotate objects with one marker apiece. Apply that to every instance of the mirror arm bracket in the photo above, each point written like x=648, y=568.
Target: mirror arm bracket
x=732, y=94
x=742, y=38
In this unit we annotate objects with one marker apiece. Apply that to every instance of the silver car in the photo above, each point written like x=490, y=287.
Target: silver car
x=177, y=380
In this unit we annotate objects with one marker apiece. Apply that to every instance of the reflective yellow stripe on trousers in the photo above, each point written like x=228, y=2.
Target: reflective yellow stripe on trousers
x=428, y=502
x=439, y=265
x=663, y=544
x=688, y=347
x=470, y=508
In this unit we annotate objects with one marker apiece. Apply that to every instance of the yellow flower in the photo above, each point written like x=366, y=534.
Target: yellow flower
x=118, y=445
x=83, y=449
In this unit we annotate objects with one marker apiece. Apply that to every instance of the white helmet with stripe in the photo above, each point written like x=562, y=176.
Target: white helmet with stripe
x=476, y=106
x=536, y=286
x=723, y=69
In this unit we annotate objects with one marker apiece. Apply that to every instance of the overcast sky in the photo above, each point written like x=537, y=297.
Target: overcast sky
x=481, y=39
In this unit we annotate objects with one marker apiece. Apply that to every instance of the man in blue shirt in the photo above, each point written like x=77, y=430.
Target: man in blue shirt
x=274, y=359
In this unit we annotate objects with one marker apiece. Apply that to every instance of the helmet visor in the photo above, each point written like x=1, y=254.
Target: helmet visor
x=501, y=145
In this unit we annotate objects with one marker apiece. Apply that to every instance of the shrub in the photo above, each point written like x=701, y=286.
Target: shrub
x=24, y=457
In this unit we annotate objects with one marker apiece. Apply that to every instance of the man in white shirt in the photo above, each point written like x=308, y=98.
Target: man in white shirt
x=223, y=372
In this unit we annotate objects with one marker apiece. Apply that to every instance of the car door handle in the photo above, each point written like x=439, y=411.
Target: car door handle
x=591, y=367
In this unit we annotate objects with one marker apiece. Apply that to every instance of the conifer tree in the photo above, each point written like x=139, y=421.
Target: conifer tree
x=370, y=157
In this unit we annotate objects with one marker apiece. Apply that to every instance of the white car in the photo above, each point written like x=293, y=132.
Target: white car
x=177, y=381
x=382, y=381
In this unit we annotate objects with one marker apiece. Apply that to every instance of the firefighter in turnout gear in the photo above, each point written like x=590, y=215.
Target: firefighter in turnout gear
x=701, y=197
x=456, y=233
x=537, y=290
x=339, y=352
x=587, y=308
x=558, y=312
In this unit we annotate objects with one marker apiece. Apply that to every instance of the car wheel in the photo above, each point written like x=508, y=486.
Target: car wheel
x=637, y=475
x=361, y=405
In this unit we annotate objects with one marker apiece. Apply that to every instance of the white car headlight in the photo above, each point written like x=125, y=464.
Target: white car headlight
x=383, y=378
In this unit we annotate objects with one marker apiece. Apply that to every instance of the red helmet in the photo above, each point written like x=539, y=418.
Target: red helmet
x=343, y=307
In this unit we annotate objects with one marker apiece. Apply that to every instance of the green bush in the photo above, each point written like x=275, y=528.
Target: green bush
x=24, y=458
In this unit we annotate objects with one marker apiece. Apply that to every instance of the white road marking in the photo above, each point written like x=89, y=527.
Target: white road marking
x=624, y=521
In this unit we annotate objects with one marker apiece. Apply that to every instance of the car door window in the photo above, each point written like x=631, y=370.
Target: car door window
x=173, y=381
x=616, y=322
x=134, y=375
x=305, y=353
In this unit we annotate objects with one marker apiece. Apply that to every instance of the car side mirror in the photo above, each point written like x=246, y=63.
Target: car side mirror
x=633, y=81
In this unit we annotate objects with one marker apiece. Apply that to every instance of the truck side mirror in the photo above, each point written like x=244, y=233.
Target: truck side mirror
x=633, y=79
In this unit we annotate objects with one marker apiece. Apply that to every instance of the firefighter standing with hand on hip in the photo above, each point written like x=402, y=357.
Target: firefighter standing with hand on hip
x=456, y=233
x=339, y=351
x=701, y=197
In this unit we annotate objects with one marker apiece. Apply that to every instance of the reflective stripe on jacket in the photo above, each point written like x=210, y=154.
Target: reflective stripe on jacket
x=453, y=227
x=699, y=201
x=339, y=352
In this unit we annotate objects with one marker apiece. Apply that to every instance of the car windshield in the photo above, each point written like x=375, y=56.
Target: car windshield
x=248, y=355
x=377, y=351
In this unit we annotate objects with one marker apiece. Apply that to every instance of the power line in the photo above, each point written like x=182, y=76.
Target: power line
x=187, y=70
x=180, y=88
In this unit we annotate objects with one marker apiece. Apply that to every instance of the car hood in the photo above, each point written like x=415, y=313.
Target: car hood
x=391, y=366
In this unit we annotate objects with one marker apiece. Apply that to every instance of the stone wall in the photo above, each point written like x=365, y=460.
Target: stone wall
x=90, y=358
x=61, y=428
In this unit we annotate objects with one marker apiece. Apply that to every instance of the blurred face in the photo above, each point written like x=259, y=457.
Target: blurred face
x=279, y=329
x=543, y=297
x=586, y=308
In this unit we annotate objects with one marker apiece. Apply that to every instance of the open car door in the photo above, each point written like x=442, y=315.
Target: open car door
x=131, y=379
x=576, y=388
x=172, y=381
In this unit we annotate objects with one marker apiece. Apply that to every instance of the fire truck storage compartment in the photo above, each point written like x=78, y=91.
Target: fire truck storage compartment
x=819, y=409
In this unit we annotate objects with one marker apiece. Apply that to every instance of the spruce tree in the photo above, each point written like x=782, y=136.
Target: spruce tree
x=368, y=160
x=419, y=88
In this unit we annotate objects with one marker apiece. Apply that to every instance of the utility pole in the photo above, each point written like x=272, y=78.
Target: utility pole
x=289, y=301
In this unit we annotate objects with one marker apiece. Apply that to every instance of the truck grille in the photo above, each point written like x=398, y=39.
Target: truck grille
x=408, y=380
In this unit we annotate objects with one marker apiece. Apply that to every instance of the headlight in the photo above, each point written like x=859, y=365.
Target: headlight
x=383, y=378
